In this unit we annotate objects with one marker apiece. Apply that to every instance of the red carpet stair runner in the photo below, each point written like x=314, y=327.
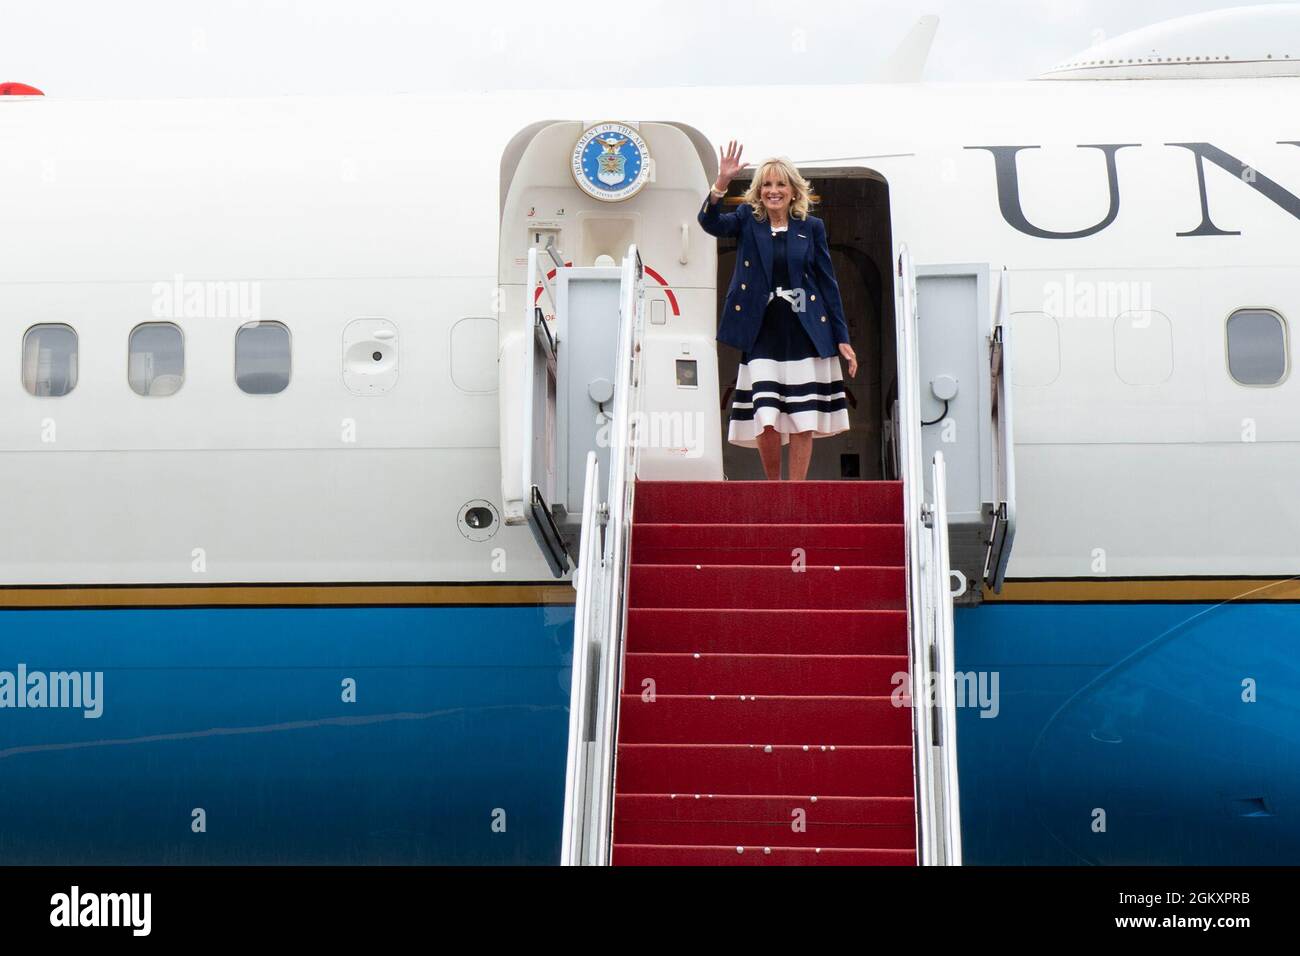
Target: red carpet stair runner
x=756, y=725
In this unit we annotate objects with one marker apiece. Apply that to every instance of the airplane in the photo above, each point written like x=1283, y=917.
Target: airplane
x=299, y=480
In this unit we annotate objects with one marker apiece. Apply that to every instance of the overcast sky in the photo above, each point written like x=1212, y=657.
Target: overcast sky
x=146, y=48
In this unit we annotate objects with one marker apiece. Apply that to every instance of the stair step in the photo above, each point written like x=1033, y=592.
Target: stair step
x=843, y=544
x=761, y=719
x=785, y=674
x=875, y=822
x=857, y=771
x=764, y=631
x=740, y=586
x=651, y=855
x=748, y=502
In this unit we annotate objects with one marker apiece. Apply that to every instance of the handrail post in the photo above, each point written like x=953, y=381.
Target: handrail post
x=909, y=439
x=612, y=618
x=946, y=677
x=576, y=788
x=929, y=604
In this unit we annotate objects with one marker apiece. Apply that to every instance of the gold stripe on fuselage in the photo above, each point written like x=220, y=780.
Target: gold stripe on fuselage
x=283, y=595
x=1036, y=591
x=1148, y=590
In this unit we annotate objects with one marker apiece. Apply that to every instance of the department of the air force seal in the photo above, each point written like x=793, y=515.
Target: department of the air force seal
x=611, y=162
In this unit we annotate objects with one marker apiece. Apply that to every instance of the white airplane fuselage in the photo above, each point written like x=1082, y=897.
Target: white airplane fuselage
x=1133, y=218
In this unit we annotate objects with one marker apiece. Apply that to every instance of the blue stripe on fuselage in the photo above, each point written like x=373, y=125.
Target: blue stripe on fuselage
x=1141, y=712
x=453, y=751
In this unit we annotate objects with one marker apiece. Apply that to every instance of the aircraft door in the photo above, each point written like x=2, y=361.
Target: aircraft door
x=1002, y=509
x=568, y=399
x=539, y=413
x=965, y=407
x=562, y=297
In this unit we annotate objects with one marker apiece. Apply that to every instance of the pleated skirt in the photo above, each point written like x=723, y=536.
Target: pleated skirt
x=783, y=382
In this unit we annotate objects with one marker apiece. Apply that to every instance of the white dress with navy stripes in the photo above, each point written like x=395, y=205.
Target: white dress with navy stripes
x=782, y=381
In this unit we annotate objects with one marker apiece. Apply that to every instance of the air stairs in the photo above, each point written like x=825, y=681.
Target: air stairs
x=763, y=672
x=762, y=718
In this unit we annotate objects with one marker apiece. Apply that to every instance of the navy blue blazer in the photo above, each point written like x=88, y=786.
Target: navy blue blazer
x=808, y=262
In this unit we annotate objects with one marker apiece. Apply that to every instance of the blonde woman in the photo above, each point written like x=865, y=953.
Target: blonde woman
x=783, y=312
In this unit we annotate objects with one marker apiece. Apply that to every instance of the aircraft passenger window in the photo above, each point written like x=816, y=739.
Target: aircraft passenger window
x=155, y=363
x=262, y=358
x=1257, y=347
x=50, y=360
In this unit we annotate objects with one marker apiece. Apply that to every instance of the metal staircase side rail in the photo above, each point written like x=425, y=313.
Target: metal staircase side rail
x=530, y=390
x=574, y=846
x=539, y=343
x=944, y=678
x=624, y=457
x=919, y=614
x=1002, y=532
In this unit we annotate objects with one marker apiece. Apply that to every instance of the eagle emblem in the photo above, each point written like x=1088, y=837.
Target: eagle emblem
x=611, y=161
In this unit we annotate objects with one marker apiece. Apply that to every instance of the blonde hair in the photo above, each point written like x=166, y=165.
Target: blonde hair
x=800, y=188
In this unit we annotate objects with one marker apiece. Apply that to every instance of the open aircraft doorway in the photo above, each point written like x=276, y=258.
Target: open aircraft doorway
x=854, y=204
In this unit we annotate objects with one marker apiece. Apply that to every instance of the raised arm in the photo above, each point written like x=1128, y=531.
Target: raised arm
x=713, y=220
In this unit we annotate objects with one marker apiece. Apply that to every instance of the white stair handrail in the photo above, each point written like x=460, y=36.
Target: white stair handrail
x=945, y=675
x=589, y=794
x=624, y=454
x=931, y=646
x=586, y=582
x=918, y=603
